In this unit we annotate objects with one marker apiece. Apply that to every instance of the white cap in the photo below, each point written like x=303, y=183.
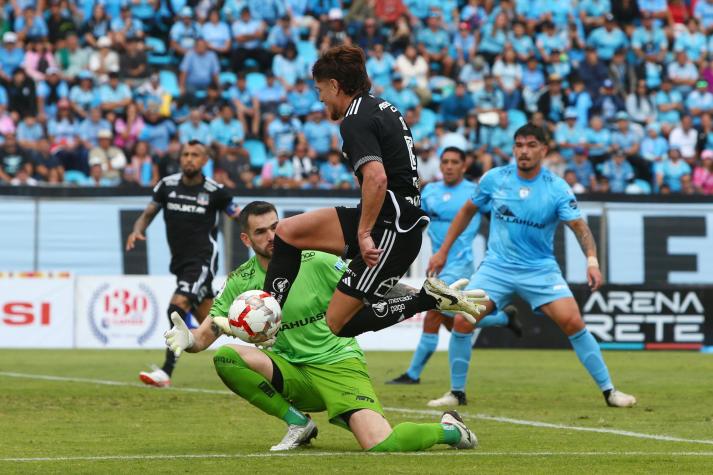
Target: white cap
x=104, y=42
x=335, y=14
x=9, y=37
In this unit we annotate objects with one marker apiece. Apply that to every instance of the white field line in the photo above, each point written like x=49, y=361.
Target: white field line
x=415, y=412
x=308, y=453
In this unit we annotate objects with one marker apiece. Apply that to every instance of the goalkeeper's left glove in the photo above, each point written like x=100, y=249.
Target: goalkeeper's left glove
x=477, y=297
x=178, y=338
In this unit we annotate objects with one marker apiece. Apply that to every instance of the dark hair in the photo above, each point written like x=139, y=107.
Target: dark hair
x=254, y=208
x=206, y=152
x=531, y=129
x=461, y=153
x=347, y=65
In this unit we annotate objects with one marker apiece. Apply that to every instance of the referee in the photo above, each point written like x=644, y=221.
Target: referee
x=191, y=204
x=382, y=236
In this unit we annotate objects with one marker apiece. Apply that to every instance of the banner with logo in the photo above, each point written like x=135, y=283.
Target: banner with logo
x=36, y=312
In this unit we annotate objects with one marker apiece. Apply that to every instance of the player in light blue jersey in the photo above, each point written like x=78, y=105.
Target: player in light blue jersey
x=442, y=200
x=527, y=203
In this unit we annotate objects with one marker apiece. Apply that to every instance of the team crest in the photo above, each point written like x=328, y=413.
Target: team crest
x=202, y=199
x=524, y=192
x=447, y=197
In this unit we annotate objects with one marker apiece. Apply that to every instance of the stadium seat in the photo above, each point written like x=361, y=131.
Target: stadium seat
x=255, y=81
x=157, y=54
x=257, y=152
x=169, y=82
x=227, y=77
x=307, y=51
x=517, y=118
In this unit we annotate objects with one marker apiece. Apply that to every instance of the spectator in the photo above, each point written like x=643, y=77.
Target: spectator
x=280, y=35
x=413, y=68
x=38, y=59
x=703, y=11
x=521, y=43
x=618, y=173
x=126, y=28
x=144, y=169
x=302, y=164
x=571, y=178
x=593, y=12
x=270, y=96
x=669, y=105
x=333, y=170
x=623, y=74
x=114, y=96
x=433, y=44
x=96, y=175
x=583, y=169
x=21, y=93
x=11, y=56
x=568, y=135
x=13, y=160
x=31, y=25
x=684, y=138
x=598, y=140
x=314, y=181
x=320, y=134
x=47, y=166
x=184, y=33
x=96, y=27
x=71, y=57
x=402, y=97
x=50, y=91
x=227, y=133
x=379, y=66
x=608, y=38
x=334, y=31
x=216, y=33
x=457, y=105
x=84, y=96
x=554, y=101
x=429, y=166
x=105, y=61
x=608, y=103
x=302, y=98
x=649, y=40
x=691, y=40
x=390, y=11
x=580, y=100
x=670, y=170
x=29, y=132
x=151, y=93
x=593, y=71
x=128, y=129
x=199, y=68
x=493, y=38
x=248, y=105
x=194, y=129
x=278, y=172
x=134, y=63
x=639, y=105
x=248, y=34
x=288, y=67
x=284, y=131
x=63, y=128
x=654, y=148
x=682, y=73
x=700, y=100
x=369, y=37
x=501, y=140
x=89, y=128
x=111, y=159
x=703, y=174
x=157, y=132
x=509, y=77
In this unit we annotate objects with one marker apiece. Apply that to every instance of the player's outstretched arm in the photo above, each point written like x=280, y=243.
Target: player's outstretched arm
x=581, y=230
x=141, y=224
x=460, y=222
x=180, y=338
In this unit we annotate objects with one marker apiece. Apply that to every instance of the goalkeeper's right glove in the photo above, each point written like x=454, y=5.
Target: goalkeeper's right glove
x=178, y=338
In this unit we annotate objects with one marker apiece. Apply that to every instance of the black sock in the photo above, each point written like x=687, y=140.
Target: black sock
x=282, y=271
x=170, y=361
x=384, y=313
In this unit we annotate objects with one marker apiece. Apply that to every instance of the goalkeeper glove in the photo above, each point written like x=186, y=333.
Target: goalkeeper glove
x=178, y=338
x=477, y=297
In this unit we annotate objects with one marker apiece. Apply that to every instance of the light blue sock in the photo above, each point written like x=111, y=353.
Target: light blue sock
x=459, y=350
x=590, y=355
x=426, y=346
x=499, y=319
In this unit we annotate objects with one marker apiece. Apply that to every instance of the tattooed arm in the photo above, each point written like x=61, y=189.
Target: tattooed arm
x=204, y=335
x=589, y=247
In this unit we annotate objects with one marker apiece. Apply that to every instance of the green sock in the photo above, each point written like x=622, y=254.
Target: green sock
x=253, y=387
x=412, y=437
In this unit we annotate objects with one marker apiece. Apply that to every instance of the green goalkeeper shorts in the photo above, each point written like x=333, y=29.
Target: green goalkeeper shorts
x=338, y=388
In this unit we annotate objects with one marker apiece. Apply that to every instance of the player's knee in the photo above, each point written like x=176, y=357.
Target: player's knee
x=461, y=325
x=180, y=301
x=572, y=324
x=432, y=322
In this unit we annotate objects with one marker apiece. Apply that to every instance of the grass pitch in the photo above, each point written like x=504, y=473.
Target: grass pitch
x=533, y=411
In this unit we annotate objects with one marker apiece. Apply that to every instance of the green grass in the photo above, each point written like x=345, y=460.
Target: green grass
x=56, y=418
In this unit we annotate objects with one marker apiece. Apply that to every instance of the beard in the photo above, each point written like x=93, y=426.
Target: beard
x=191, y=173
x=263, y=252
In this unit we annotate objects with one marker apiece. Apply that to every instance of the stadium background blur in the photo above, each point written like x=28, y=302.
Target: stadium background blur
x=102, y=93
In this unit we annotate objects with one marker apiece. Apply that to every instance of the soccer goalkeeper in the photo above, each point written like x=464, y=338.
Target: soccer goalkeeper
x=308, y=368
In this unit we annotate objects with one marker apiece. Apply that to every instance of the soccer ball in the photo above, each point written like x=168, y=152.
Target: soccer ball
x=255, y=316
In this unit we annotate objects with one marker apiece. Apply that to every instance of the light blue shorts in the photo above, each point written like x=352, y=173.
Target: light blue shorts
x=536, y=286
x=450, y=274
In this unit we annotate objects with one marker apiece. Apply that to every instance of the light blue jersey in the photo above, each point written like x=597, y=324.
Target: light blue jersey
x=442, y=202
x=525, y=214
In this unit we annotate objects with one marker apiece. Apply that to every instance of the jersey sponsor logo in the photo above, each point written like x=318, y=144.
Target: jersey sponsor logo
x=301, y=323
x=360, y=397
x=381, y=309
x=307, y=256
x=340, y=265
x=203, y=199
x=172, y=194
x=385, y=286
x=573, y=204
x=247, y=273
x=383, y=105
x=183, y=208
x=280, y=284
x=504, y=213
x=524, y=192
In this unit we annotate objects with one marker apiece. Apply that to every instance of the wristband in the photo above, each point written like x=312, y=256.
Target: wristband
x=592, y=262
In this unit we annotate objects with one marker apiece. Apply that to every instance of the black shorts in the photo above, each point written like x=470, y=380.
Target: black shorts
x=194, y=280
x=400, y=250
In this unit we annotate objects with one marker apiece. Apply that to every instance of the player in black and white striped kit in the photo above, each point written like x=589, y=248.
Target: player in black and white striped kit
x=191, y=205
x=382, y=236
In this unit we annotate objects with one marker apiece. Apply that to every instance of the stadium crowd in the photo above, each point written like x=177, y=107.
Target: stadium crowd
x=103, y=93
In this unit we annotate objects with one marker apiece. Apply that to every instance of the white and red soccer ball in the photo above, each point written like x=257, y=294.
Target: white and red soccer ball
x=255, y=316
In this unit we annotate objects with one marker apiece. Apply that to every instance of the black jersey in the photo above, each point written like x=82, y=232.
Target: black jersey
x=374, y=130
x=191, y=214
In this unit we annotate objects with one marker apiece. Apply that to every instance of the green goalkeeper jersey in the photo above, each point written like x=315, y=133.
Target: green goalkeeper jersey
x=304, y=336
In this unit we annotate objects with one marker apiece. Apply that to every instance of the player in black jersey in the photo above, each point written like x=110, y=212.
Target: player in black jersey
x=191, y=206
x=379, y=146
